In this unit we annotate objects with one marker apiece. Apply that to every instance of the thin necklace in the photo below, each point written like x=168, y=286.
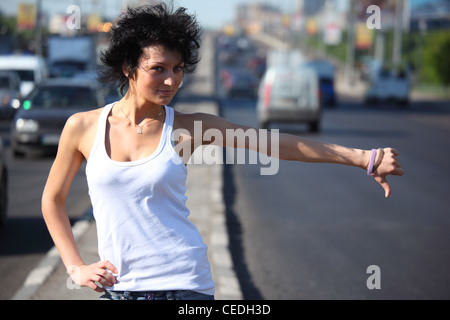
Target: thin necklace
x=140, y=128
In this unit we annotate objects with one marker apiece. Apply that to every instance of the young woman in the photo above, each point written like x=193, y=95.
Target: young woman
x=147, y=246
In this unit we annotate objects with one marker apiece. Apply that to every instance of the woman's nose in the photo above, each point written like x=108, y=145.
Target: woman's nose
x=169, y=81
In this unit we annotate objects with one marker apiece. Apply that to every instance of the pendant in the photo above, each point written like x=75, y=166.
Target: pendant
x=139, y=130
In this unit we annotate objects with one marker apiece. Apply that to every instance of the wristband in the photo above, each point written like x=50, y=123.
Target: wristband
x=371, y=162
x=378, y=159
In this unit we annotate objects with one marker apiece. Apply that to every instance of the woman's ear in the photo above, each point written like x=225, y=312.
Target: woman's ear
x=125, y=71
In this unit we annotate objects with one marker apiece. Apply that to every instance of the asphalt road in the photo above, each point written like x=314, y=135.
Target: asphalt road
x=24, y=240
x=312, y=230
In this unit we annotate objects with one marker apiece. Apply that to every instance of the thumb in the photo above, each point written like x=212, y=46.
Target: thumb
x=385, y=185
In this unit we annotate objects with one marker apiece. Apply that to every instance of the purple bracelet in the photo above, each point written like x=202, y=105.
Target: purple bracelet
x=371, y=162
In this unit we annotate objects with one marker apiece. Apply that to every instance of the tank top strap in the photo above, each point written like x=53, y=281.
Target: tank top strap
x=101, y=129
x=169, y=123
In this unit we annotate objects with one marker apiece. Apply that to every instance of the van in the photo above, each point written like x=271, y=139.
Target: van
x=31, y=70
x=289, y=94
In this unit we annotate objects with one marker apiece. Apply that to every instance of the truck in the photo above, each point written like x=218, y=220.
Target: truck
x=70, y=55
x=389, y=85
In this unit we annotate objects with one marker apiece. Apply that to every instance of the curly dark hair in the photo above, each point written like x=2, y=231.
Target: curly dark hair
x=144, y=26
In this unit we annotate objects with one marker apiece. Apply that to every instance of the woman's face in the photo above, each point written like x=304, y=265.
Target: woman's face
x=158, y=76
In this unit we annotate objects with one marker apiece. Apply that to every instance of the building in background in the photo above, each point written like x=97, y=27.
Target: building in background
x=430, y=15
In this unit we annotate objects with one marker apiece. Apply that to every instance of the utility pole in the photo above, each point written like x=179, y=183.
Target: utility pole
x=398, y=33
x=38, y=40
x=350, y=58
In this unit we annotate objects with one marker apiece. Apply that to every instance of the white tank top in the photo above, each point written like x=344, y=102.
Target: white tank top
x=142, y=219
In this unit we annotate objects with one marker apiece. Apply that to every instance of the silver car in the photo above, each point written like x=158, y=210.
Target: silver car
x=37, y=125
x=289, y=94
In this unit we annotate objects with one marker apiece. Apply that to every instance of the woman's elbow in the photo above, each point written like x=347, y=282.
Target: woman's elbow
x=50, y=203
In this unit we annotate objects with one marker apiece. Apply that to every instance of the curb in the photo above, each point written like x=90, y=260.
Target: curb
x=227, y=283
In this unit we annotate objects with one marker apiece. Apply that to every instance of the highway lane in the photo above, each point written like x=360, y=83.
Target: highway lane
x=312, y=230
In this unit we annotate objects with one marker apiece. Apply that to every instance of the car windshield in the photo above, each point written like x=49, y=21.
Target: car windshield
x=25, y=75
x=4, y=82
x=61, y=97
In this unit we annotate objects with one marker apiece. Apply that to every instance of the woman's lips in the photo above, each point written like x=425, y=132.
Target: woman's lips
x=165, y=92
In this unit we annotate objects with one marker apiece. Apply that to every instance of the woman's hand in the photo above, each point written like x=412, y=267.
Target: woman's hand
x=88, y=275
x=388, y=164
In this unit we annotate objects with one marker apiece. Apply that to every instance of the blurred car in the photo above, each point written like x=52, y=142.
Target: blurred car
x=389, y=86
x=325, y=71
x=31, y=70
x=111, y=91
x=37, y=125
x=289, y=94
x=69, y=55
x=257, y=64
x=285, y=57
x=239, y=82
x=9, y=93
x=369, y=67
x=3, y=185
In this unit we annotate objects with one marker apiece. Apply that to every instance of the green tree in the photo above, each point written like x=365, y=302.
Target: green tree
x=436, y=64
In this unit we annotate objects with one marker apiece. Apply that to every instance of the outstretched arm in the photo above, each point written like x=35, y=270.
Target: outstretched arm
x=300, y=149
x=294, y=148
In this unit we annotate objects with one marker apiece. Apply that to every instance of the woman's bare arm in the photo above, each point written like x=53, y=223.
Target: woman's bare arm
x=294, y=148
x=67, y=163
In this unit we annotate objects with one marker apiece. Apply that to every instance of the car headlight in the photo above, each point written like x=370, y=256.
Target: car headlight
x=27, y=125
x=15, y=103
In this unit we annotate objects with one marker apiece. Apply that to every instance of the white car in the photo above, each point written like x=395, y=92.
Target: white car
x=389, y=86
x=289, y=94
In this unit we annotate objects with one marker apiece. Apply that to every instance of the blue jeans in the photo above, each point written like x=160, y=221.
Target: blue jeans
x=155, y=295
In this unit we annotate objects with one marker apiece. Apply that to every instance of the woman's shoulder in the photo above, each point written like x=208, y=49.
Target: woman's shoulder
x=80, y=130
x=84, y=120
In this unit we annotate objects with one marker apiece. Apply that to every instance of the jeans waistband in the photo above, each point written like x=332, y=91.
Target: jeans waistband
x=155, y=295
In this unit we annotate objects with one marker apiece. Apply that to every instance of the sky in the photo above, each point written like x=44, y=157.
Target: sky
x=210, y=13
x=213, y=13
